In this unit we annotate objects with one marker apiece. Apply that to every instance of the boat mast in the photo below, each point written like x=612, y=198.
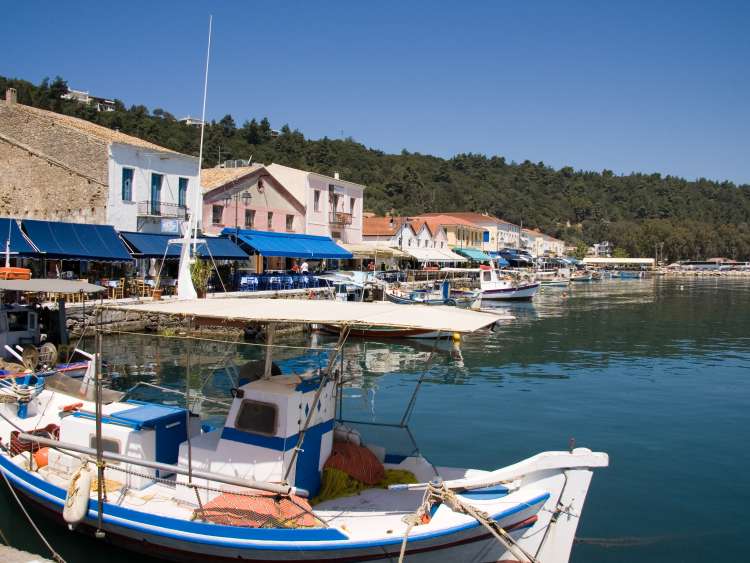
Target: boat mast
x=185, y=287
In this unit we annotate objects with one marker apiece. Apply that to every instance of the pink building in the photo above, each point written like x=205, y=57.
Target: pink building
x=248, y=197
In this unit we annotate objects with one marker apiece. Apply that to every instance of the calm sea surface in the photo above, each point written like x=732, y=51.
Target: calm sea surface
x=654, y=372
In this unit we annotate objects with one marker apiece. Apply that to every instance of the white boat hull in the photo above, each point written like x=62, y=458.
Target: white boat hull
x=521, y=292
x=546, y=480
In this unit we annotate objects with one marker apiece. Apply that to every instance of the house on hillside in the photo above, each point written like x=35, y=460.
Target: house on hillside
x=57, y=167
x=249, y=197
x=333, y=207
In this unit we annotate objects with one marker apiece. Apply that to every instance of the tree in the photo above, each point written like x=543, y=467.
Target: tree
x=581, y=250
x=620, y=253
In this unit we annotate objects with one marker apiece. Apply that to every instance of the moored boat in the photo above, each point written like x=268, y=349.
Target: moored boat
x=166, y=485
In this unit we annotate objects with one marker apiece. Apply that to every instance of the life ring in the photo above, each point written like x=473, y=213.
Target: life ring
x=77, y=499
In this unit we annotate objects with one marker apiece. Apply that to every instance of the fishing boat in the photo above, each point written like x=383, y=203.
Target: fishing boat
x=581, y=276
x=628, y=274
x=444, y=296
x=151, y=478
x=495, y=284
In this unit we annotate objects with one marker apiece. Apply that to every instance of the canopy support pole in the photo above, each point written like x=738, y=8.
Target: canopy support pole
x=99, y=446
x=270, y=334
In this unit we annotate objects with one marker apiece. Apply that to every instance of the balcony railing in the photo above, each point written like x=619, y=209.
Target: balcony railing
x=339, y=218
x=161, y=209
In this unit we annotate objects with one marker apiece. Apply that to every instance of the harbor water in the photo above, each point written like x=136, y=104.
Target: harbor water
x=656, y=372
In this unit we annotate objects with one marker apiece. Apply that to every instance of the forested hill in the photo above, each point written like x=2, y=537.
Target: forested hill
x=699, y=219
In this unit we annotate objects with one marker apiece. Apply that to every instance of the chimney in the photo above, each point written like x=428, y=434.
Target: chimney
x=336, y=176
x=11, y=96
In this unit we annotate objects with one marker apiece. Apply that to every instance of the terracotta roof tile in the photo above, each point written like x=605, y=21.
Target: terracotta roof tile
x=91, y=129
x=214, y=177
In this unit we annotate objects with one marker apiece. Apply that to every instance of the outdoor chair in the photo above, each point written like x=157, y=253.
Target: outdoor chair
x=274, y=282
x=287, y=282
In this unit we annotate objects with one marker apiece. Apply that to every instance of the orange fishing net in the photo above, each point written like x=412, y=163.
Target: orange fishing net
x=357, y=462
x=261, y=510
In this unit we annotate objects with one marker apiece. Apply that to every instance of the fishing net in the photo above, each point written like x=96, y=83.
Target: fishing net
x=336, y=484
x=259, y=510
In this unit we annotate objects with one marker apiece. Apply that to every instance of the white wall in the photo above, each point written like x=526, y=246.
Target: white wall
x=124, y=215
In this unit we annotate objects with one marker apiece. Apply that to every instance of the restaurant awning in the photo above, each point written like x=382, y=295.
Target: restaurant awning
x=152, y=245
x=75, y=241
x=289, y=245
x=19, y=245
x=434, y=255
x=373, y=251
x=472, y=254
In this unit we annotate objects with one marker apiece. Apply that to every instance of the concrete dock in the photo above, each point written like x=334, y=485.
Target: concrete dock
x=13, y=555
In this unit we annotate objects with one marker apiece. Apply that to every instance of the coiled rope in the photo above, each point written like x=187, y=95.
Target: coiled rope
x=439, y=493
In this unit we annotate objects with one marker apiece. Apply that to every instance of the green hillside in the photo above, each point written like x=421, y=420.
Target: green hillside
x=693, y=219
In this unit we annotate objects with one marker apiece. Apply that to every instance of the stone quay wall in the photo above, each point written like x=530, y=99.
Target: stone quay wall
x=84, y=317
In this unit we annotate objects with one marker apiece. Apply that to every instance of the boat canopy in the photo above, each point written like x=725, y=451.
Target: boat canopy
x=75, y=241
x=354, y=314
x=151, y=245
x=289, y=245
x=40, y=285
x=20, y=246
x=434, y=255
x=365, y=250
x=473, y=254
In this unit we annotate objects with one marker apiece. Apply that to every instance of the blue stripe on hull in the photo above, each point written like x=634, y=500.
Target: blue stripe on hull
x=220, y=540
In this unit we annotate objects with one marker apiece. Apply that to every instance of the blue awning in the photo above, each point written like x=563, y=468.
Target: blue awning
x=152, y=245
x=19, y=246
x=74, y=241
x=289, y=245
x=472, y=254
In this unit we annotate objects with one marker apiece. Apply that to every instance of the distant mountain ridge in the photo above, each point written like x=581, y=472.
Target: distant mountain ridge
x=691, y=219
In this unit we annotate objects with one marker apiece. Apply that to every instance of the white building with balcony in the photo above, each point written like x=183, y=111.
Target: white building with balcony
x=333, y=207
x=61, y=168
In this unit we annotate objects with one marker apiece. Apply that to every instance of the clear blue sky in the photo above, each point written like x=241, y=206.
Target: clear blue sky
x=630, y=86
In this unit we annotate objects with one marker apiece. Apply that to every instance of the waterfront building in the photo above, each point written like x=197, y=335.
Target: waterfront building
x=60, y=168
x=394, y=232
x=460, y=233
x=333, y=206
x=497, y=233
x=249, y=197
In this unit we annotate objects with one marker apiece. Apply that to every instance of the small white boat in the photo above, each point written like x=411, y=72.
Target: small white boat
x=495, y=284
x=167, y=486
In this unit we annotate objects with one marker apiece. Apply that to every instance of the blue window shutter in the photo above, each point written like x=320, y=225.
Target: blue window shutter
x=127, y=184
x=182, y=193
x=156, y=180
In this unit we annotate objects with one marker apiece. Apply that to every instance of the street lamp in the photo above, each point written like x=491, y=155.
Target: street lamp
x=246, y=197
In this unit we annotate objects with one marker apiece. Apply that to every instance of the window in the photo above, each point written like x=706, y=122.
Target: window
x=257, y=417
x=18, y=321
x=217, y=211
x=290, y=222
x=486, y=276
x=352, y=201
x=156, y=181
x=127, y=184
x=108, y=444
x=270, y=220
x=182, y=192
x=316, y=204
x=249, y=218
